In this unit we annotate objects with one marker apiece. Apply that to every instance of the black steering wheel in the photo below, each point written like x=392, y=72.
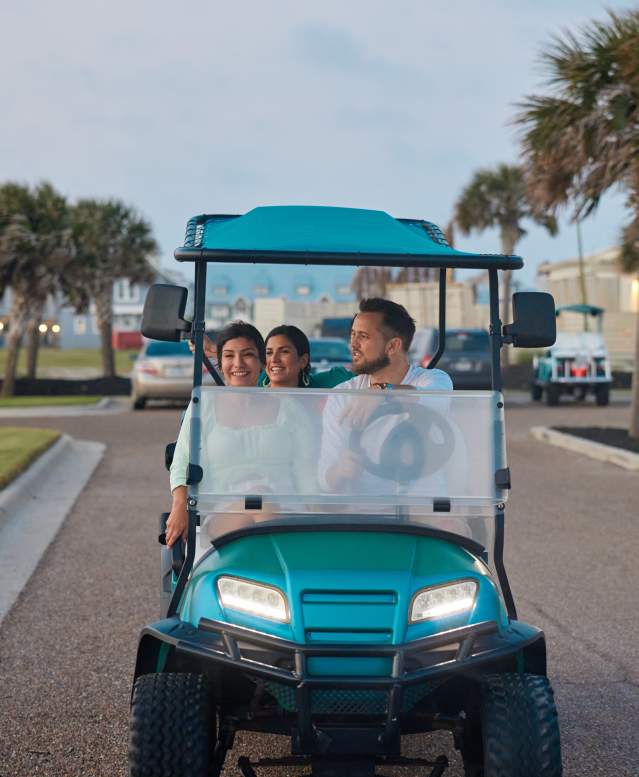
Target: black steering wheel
x=408, y=452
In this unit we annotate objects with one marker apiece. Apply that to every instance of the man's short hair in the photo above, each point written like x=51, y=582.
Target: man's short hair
x=396, y=320
x=241, y=329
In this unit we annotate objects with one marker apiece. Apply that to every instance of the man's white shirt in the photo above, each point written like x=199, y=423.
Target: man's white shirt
x=420, y=377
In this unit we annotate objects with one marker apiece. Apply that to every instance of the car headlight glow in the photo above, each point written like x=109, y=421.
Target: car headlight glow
x=443, y=601
x=265, y=601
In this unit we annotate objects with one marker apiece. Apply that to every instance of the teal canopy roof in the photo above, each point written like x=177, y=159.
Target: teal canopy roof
x=326, y=235
x=586, y=310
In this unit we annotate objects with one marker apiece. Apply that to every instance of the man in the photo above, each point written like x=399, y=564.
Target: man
x=381, y=335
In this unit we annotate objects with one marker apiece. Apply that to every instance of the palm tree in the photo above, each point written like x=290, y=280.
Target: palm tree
x=498, y=198
x=583, y=138
x=112, y=242
x=35, y=249
x=370, y=282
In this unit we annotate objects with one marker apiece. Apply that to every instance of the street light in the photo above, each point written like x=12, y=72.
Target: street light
x=55, y=329
x=1, y=325
x=43, y=329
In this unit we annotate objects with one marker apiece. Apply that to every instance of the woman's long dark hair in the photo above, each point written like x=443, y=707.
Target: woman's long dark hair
x=300, y=343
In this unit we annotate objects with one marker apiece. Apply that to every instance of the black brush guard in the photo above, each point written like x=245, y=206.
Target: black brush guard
x=258, y=655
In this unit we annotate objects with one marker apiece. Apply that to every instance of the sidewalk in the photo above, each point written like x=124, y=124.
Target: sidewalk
x=106, y=406
x=34, y=506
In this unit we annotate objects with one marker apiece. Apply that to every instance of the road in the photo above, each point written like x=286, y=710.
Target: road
x=67, y=648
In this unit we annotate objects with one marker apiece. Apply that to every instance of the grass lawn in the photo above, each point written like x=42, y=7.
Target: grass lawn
x=70, y=358
x=19, y=447
x=48, y=401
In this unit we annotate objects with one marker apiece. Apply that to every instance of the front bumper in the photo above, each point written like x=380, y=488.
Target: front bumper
x=285, y=669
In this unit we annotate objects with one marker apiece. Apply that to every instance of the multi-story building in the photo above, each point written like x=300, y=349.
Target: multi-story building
x=278, y=294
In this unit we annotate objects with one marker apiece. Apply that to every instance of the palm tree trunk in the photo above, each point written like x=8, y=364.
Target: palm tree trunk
x=633, y=429
x=18, y=319
x=104, y=314
x=509, y=237
x=33, y=341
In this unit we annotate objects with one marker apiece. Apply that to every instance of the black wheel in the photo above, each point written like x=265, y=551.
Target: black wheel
x=552, y=394
x=535, y=392
x=139, y=403
x=602, y=394
x=172, y=729
x=517, y=733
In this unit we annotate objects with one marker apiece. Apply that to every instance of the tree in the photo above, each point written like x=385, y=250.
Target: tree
x=35, y=248
x=583, y=138
x=112, y=242
x=370, y=282
x=498, y=198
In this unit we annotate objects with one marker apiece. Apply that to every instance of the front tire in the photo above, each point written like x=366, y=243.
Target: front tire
x=519, y=729
x=602, y=395
x=139, y=403
x=172, y=728
x=535, y=392
x=552, y=394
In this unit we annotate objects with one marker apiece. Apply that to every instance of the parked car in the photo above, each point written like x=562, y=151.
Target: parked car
x=328, y=352
x=577, y=364
x=337, y=327
x=466, y=357
x=162, y=370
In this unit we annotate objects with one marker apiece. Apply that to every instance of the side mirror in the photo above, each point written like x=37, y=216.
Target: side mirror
x=163, y=314
x=534, y=325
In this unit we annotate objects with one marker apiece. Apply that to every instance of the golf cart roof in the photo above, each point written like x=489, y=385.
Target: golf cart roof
x=589, y=310
x=327, y=235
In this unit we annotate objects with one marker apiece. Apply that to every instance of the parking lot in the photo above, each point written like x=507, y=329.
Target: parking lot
x=67, y=649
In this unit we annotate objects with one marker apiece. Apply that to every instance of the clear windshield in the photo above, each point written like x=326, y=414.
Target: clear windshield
x=349, y=456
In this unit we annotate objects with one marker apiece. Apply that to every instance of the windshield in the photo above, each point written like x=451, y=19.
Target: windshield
x=330, y=350
x=157, y=348
x=305, y=455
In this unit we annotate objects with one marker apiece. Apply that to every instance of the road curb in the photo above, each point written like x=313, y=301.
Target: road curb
x=35, y=470
x=595, y=450
x=34, y=507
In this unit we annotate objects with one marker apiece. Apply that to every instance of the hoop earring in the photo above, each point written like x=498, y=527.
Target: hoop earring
x=306, y=381
x=266, y=382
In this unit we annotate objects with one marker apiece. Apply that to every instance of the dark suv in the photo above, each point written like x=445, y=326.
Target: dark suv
x=466, y=357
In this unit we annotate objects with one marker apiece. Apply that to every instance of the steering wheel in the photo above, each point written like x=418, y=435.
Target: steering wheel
x=408, y=452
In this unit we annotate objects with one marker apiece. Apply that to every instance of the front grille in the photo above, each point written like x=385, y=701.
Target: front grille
x=336, y=701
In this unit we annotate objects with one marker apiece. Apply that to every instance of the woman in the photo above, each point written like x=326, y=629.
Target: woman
x=246, y=443
x=288, y=358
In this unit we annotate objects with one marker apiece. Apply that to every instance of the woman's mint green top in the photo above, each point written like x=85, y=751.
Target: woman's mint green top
x=325, y=379
x=278, y=456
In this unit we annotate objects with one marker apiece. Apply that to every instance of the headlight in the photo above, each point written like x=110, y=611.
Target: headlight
x=265, y=601
x=443, y=601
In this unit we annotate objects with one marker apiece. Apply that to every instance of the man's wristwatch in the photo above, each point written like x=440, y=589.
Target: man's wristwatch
x=383, y=386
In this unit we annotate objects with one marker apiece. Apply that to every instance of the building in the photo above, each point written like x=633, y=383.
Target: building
x=270, y=295
x=465, y=305
x=606, y=287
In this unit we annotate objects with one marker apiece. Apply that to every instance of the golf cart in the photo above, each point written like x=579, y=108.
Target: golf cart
x=577, y=364
x=342, y=616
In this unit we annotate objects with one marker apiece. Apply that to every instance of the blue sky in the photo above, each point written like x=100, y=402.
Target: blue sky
x=213, y=107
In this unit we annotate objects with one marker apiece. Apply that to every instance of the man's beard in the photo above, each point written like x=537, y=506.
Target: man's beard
x=371, y=366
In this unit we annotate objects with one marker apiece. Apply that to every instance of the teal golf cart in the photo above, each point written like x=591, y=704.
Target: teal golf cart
x=577, y=364
x=342, y=614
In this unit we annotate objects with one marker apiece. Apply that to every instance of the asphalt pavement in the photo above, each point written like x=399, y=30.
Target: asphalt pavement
x=67, y=648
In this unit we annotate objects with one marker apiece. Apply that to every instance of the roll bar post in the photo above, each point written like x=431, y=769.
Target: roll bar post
x=195, y=432
x=441, y=344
